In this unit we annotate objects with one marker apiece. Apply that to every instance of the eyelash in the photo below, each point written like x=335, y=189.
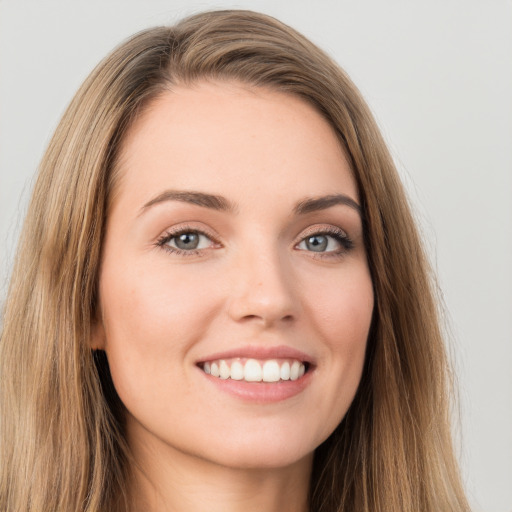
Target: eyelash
x=336, y=233
x=163, y=241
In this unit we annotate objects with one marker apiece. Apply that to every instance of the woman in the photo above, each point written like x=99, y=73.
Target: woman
x=220, y=299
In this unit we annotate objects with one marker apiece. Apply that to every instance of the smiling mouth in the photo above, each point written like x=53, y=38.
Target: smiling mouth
x=254, y=370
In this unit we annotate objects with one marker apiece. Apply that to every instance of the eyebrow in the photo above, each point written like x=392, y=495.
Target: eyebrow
x=220, y=203
x=322, y=203
x=211, y=201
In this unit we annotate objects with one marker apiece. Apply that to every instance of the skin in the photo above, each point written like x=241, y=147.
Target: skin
x=254, y=281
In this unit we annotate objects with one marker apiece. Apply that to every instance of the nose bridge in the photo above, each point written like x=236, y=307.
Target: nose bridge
x=262, y=284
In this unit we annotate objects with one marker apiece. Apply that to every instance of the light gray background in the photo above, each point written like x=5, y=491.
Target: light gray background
x=438, y=76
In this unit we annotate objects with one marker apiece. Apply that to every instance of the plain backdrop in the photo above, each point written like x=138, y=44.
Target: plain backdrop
x=438, y=76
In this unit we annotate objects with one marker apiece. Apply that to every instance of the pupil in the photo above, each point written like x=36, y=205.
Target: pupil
x=187, y=241
x=317, y=243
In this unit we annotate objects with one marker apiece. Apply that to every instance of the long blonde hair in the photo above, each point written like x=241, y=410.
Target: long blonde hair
x=62, y=437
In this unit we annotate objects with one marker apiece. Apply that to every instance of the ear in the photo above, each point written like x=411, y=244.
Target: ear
x=98, y=337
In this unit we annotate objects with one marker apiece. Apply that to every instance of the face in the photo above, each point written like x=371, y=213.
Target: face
x=235, y=294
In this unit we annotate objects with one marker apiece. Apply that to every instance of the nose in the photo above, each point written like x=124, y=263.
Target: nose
x=262, y=290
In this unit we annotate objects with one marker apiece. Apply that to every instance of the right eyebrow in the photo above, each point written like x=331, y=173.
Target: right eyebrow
x=315, y=204
x=211, y=201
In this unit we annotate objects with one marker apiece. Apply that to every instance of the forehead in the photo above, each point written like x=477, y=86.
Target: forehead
x=232, y=139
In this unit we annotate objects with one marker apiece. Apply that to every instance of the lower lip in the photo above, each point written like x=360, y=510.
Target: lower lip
x=261, y=392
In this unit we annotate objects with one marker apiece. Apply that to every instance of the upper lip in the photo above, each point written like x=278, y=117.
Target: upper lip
x=261, y=352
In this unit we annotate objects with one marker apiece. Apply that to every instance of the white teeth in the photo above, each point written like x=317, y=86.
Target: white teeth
x=271, y=371
x=285, y=371
x=294, y=370
x=237, y=370
x=214, y=370
x=224, y=370
x=253, y=370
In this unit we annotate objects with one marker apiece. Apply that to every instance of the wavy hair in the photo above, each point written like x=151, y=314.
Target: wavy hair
x=61, y=422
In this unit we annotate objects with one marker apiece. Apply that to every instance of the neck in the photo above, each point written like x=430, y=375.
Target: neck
x=184, y=483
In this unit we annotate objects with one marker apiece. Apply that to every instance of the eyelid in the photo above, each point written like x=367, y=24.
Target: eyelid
x=322, y=229
x=339, y=234
x=175, y=231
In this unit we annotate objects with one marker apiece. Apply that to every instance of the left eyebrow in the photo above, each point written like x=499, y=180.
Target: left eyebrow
x=316, y=204
x=211, y=201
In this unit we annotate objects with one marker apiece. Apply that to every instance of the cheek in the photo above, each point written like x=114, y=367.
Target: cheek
x=342, y=308
x=149, y=325
x=342, y=315
x=151, y=304
x=150, y=318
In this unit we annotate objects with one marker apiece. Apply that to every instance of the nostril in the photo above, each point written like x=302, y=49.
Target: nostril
x=267, y=319
x=250, y=317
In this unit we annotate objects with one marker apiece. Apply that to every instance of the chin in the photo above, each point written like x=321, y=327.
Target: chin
x=273, y=450
x=262, y=459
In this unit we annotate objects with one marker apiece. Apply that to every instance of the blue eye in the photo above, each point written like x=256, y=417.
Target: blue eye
x=317, y=243
x=185, y=241
x=335, y=243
